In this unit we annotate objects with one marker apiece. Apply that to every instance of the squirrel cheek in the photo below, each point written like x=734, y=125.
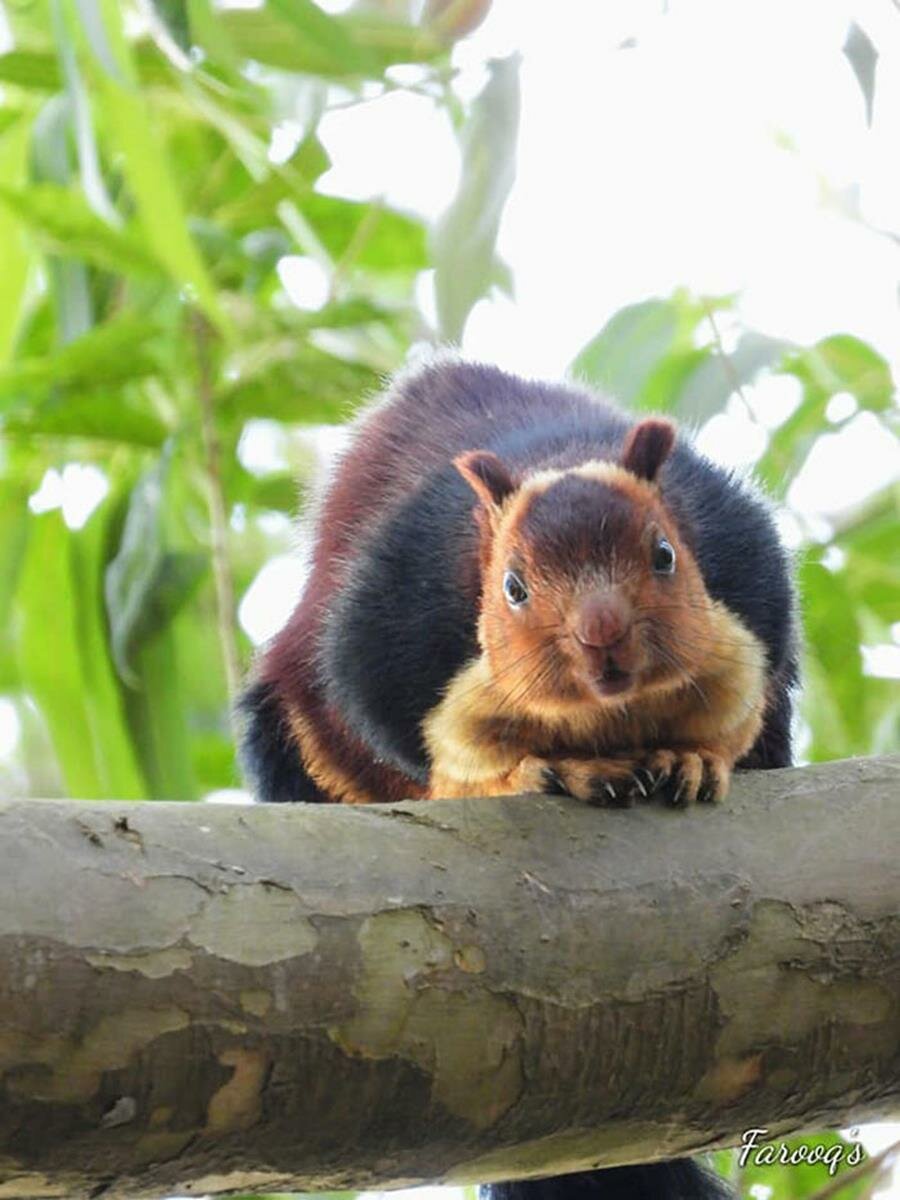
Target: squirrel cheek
x=499, y=635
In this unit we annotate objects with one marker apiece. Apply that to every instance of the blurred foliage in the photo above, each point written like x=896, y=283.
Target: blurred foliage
x=144, y=222
x=146, y=227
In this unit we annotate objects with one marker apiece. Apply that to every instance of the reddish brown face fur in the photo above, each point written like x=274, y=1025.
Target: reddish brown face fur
x=589, y=595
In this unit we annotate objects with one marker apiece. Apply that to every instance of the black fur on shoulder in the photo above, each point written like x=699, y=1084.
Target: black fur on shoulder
x=737, y=548
x=269, y=757
x=404, y=622
x=773, y=747
x=745, y=566
x=680, y=1179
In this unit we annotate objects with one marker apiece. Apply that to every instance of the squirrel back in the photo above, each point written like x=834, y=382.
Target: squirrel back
x=403, y=642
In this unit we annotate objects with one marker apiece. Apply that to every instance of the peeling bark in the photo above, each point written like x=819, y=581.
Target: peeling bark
x=202, y=999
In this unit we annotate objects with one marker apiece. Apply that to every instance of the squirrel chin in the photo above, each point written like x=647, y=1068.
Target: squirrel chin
x=614, y=686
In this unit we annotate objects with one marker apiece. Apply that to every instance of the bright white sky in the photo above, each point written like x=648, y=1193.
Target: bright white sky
x=646, y=169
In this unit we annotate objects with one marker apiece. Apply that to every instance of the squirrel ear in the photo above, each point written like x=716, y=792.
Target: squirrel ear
x=487, y=475
x=647, y=447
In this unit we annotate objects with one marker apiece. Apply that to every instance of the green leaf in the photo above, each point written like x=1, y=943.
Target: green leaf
x=707, y=388
x=464, y=239
x=296, y=35
x=99, y=417
x=297, y=384
x=49, y=656
x=204, y=691
x=837, y=364
x=325, y=38
x=375, y=237
x=388, y=42
x=118, y=768
x=208, y=31
x=667, y=382
x=647, y=353
x=63, y=659
x=14, y=527
x=724, y=1163
x=146, y=583
x=121, y=350
x=344, y=314
x=212, y=758
x=251, y=209
x=52, y=163
x=832, y=645
x=159, y=722
x=173, y=17
x=279, y=491
x=310, y=160
x=268, y=36
x=620, y=359
x=146, y=168
x=104, y=34
x=82, y=122
x=843, y=363
x=51, y=150
x=9, y=116
x=13, y=252
x=872, y=567
x=159, y=205
x=33, y=69
x=66, y=226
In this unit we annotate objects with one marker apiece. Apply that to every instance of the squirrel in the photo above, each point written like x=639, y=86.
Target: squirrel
x=517, y=587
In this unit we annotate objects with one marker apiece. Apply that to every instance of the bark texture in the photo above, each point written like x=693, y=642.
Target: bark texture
x=195, y=999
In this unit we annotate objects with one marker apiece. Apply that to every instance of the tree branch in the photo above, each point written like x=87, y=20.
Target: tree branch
x=202, y=998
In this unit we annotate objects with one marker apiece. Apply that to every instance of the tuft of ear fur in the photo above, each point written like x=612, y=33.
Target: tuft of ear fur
x=487, y=475
x=647, y=447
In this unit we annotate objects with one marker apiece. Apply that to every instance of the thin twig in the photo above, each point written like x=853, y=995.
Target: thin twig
x=850, y=1177
x=355, y=246
x=727, y=364
x=224, y=581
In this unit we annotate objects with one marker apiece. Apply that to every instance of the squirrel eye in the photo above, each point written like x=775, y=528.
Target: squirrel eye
x=514, y=589
x=663, y=558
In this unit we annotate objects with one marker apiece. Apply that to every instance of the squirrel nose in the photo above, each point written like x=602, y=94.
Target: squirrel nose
x=603, y=620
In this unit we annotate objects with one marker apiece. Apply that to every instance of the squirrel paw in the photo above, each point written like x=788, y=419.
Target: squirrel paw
x=684, y=776
x=677, y=777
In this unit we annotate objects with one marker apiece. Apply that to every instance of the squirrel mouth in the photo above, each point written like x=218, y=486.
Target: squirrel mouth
x=603, y=669
x=612, y=680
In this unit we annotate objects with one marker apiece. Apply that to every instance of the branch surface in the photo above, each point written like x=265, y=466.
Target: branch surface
x=197, y=999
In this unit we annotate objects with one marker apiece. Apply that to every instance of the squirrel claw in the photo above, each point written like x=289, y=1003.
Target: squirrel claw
x=675, y=797
x=695, y=776
x=679, y=778
x=648, y=782
x=603, y=792
x=553, y=783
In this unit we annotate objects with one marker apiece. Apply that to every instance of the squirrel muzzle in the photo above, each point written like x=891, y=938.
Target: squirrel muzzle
x=603, y=630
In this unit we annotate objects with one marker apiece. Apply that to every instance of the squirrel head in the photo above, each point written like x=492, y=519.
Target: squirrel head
x=588, y=592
